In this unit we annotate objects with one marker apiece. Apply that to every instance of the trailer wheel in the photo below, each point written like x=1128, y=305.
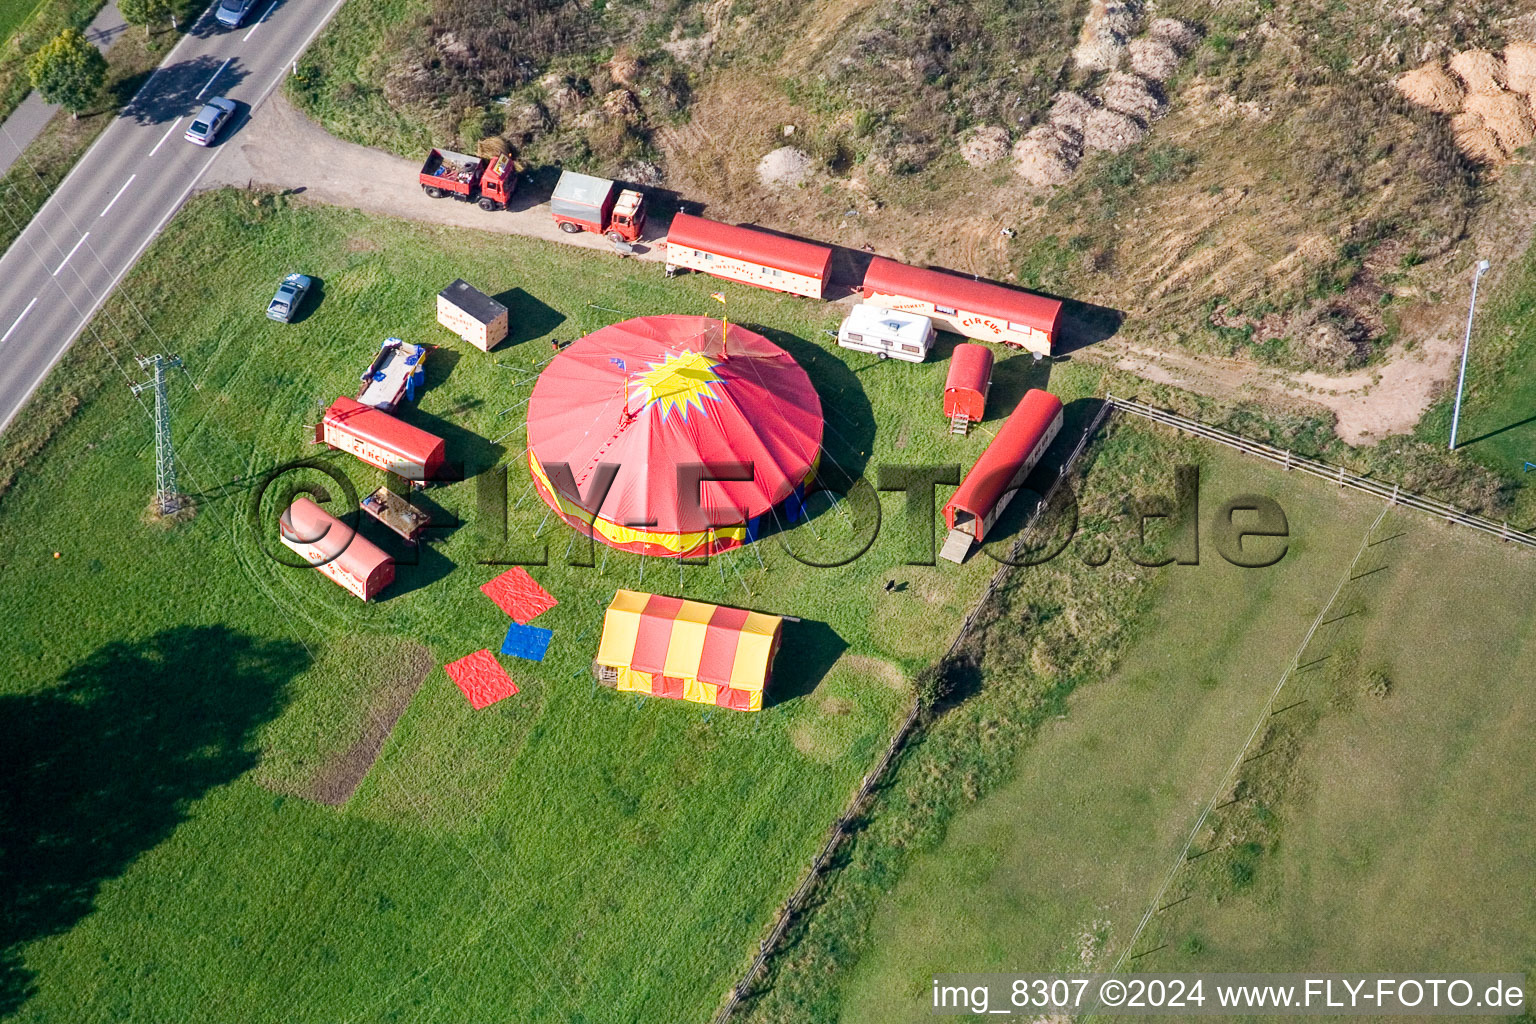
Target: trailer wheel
x=883, y=355
x=433, y=191
x=569, y=228
x=489, y=205
x=614, y=236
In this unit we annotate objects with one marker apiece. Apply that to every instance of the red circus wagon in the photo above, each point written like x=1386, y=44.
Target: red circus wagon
x=966, y=386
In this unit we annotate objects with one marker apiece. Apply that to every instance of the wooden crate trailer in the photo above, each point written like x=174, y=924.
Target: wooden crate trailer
x=974, y=309
x=986, y=490
x=472, y=315
x=381, y=440
x=748, y=255
x=351, y=561
x=966, y=386
x=888, y=333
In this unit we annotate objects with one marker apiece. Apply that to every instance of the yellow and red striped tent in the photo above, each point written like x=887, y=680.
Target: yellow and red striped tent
x=670, y=647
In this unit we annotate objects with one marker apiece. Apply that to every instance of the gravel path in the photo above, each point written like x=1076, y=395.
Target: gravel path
x=282, y=148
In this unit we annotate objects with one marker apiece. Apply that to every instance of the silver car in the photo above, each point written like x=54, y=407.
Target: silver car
x=289, y=294
x=205, y=127
x=231, y=13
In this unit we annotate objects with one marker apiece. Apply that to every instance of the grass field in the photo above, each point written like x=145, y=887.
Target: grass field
x=1376, y=832
x=569, y=854
x=1498, y=421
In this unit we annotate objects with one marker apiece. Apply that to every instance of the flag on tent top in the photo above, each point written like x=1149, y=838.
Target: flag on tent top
x=616, y=361
x=718, y=297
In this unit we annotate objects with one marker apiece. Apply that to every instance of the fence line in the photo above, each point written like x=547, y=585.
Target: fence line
x=872, y=779
x=1334, y=474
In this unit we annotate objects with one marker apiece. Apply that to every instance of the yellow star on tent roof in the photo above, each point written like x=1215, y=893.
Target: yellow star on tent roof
x=679, y=381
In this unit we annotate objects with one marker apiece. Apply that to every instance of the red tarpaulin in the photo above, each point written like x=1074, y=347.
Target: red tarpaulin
x=519, y=595
x=482, y=679
x=659, y=399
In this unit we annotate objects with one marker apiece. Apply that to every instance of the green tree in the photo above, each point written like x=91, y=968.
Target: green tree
x=146, y=12
x=69, y=71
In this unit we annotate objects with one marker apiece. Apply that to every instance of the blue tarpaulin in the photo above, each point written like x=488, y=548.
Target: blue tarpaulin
x=527, y=642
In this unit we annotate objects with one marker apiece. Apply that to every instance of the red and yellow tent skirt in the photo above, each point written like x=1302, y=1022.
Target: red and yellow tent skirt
x=658, y=544
x=689, y=650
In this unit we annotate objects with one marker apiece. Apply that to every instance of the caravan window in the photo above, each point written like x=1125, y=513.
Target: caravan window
x=914, y=349
x=947, y=311
x=1021, y=328
x=855, y=337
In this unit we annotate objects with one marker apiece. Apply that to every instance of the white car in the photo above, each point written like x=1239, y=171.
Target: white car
x=205, y=127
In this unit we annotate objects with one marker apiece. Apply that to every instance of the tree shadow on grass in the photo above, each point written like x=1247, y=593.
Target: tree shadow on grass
x=106, y=765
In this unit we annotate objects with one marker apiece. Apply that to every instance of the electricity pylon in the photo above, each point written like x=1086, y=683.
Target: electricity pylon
x=167, y=500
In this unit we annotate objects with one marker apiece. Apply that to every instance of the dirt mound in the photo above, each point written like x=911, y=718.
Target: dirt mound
x=624, y=69
x=785, y=167
x=1474, y=139
x=1334, y=337
x=1506, y=115
x=1520, y=66
x=1430, y=87
x=984, y=145
x=1101, y=42
x=1133, y=95
x=1177, y=34
x=1070, y=110
x=621, y=104
x=1153, y=59
x=1112, y=131
x=1480, y=70
x=1048, y=154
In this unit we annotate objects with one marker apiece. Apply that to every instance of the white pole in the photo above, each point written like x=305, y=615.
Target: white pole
x=1482, y=268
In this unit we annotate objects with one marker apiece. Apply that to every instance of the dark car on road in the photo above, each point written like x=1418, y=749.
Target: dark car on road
x=232, y=13
x=205, y=127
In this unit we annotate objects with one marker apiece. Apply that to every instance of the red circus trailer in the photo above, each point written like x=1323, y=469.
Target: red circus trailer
x=333, y=547
x=748, y=255
x=966, y=386
x=975, y=309
x=380, y=439
x=986, y=490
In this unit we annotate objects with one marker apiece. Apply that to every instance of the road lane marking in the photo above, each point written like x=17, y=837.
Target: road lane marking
x=73, y=251
x=119, y=193
x=164, y=137
x=7, y=336
x=260, y=21
x=215, y=77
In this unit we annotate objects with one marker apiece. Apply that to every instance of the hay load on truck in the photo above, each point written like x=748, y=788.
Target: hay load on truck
x=469, y=179
x=582, y=202
x=974, y=508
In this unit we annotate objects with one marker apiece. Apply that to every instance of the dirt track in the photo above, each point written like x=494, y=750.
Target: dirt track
x=283, y=148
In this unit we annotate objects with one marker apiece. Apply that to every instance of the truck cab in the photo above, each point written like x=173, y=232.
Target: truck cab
x=628, y=217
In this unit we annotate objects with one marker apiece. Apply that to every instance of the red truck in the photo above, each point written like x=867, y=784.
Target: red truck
x=469, y=179
x=582, y=202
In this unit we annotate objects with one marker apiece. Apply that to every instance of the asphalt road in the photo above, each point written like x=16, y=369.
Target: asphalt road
x=129, y=184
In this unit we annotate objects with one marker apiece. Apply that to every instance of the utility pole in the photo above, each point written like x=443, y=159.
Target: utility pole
x=1482, y=268
x=167, y=500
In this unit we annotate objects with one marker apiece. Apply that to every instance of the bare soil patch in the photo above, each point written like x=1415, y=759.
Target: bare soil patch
x=341, y=774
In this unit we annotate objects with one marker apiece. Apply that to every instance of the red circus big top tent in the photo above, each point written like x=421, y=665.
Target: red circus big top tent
x=658, y=398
